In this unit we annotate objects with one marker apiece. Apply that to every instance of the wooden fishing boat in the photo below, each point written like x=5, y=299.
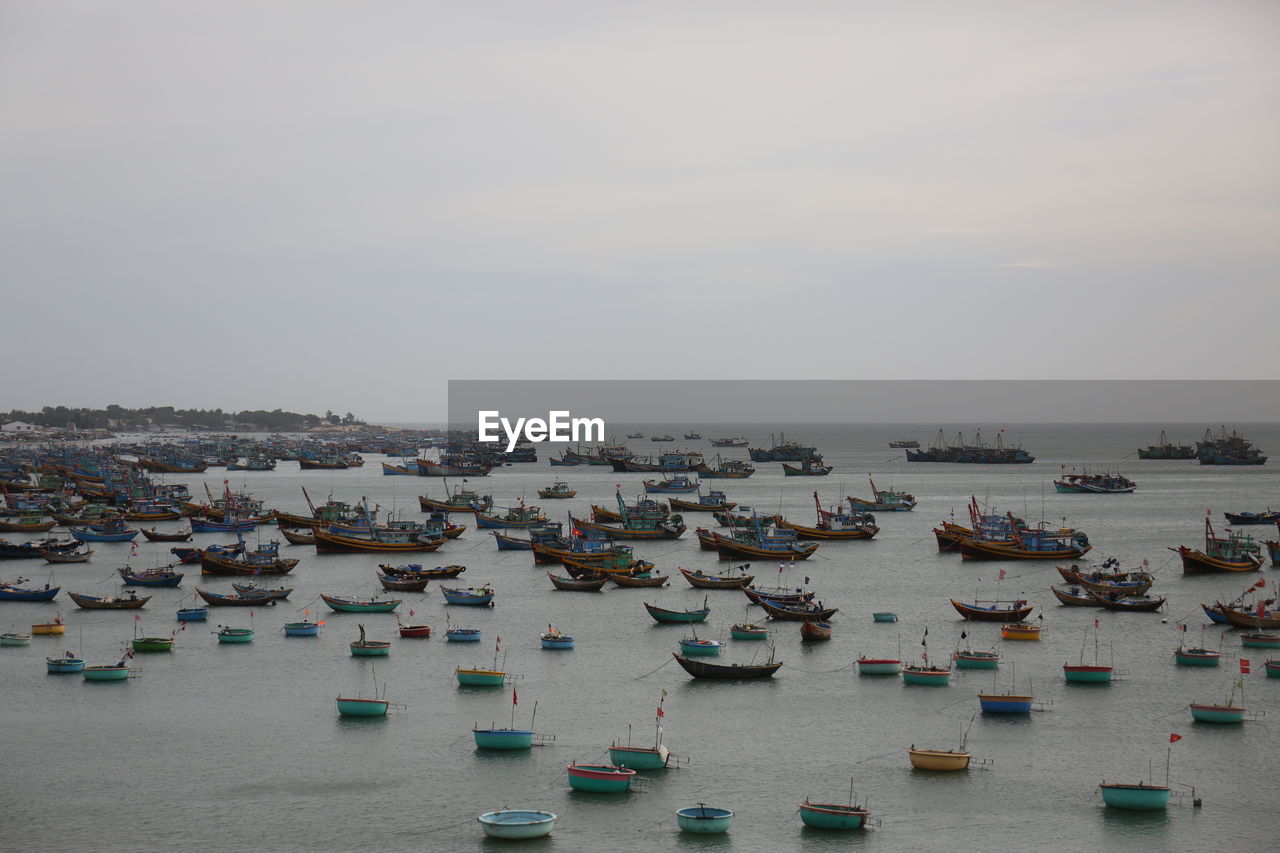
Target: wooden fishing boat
x=1256, y=619
x=600, y=778
x=154, y=535
x=1102, y=484
x=642, y=508
x=28, y=523
x=724, y=469
x=800, y=612
x=1028, y=545
x=661, y=614
x=676, y=484
x=1269, y=517
x=638, y=580
x=355, y=605
x=429, y=468
x=150, y=577
x=1167, y=450
x=702, y=581
x=704, y=820
x=559, y=490
x=994, y=611
x=57, y=557
x=399, y=584
x=706, y=669
x=879, y=666
x=813, y=630
x=777, y=596
x=280, y=593
x=394, y=540
x=832, y=525
x=1139, y=798
x=130, y=601
x=808, y=468
x=1075, y=597
x=298, y=536
x=516, y=518
x=10, y=591
x=1131, y=603
x=748, y=631
x=214, y=599
x=757, y=544
x=587, y=584
x=1237, y=552
x=261, y=562
x=115, y=534
x=1260, y=641
x=469, y=597
x=390, y=470
x=229, y=524
x=904, y=443
x=457, y=500
x=414, y=570
x=636, y=528
x=975, y=659
x=517, y=823
x=713, y=501
x=883, y=500
x=322, y=463
x=939, y=760
x=1020, y=631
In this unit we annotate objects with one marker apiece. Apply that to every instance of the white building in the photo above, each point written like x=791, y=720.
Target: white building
x=18, y=426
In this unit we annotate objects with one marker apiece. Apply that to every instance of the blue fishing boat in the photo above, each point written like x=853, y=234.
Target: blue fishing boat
x=505, y=739
x=229, y=524
x=677, y=484
x=302, y=629
x=555, y=639
x=10, y=591
x=67, y=663
x=704, y=820
x=694, y=646
x=469, y=597
x=193, y=614
x=1005, y=703
x=150, y=577
x=462, y=635
x=111, y=530
x=517, y=823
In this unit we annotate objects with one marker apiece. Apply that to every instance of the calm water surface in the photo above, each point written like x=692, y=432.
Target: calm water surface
x=241, y=746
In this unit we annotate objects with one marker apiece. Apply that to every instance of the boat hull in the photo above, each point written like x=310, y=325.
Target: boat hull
x=517, y=824
x=832, y=816
x=64, y=665
x=503, y=738
x=704, y=820
x=976, y=660
x=362, y=707
x=1217, y=714
x=880, y=666
x=301, y=629
x=1138, y=798
x=1197, y=657
x=1004, y=703
x=480, y=677
x=599, y=778
x=105, y=673
x=235, y=635
x=939, y=760
x=1088, y=674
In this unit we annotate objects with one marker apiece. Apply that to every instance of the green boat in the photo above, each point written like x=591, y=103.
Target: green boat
x=106, y=673
x=503, y=738
x=350, y=605
x=971, y=659
x=1260, y=641
x=837, y=816
x=661, y=614
x=748, y=631
x=15, y=639
x=926, y=674
x=1196, y=657
x=480, y=677
x=704, y=820
x=152, y=644
x=1138, y=798
x=349, y=707
x=1085, y=674
x=370, y=648
x=1217, y=713
x=235, y=635
x=600, y=778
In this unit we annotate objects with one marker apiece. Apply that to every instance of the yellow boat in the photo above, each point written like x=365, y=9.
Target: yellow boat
x=1020, y=631
x=939, y=759
x=54, y=627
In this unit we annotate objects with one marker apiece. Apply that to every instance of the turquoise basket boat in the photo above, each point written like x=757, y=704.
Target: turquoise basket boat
x=1273, y=668
x=1197, y=657
x=64, y=665
x=235, y=635
x=1260, y=641
x=302, y=629
x=1137, y=798
x=1004, y=703
x=462, y=635
x=879, y=666
x=105, y=673
x=704, y=820
x=926, y=676
x=600, y=778
x=371, y=648
x=15, y=639
x=1217, y=713
x=480, y=677
x=503, y=738
x=1081, y=674
x=832, y=816
x=695, y=646
x=748, y=631
x=349, y=707
x=639, y=757
x=517, y=823
x=884, y=617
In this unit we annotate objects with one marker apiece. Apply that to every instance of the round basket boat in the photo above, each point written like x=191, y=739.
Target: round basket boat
x=517, y=823
x=704, y=820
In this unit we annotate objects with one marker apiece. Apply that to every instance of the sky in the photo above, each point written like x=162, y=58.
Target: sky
x=333, y=205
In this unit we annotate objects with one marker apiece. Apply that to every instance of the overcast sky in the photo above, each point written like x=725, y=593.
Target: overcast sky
x=341, y=205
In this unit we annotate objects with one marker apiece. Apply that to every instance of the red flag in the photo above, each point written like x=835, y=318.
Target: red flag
x=1244, y=666
x=1174, y=738
x=1096, y=624
x=514, y=700
x=137, y=617
x=1262, y=609
x=1002, y=574
x=661, y=713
